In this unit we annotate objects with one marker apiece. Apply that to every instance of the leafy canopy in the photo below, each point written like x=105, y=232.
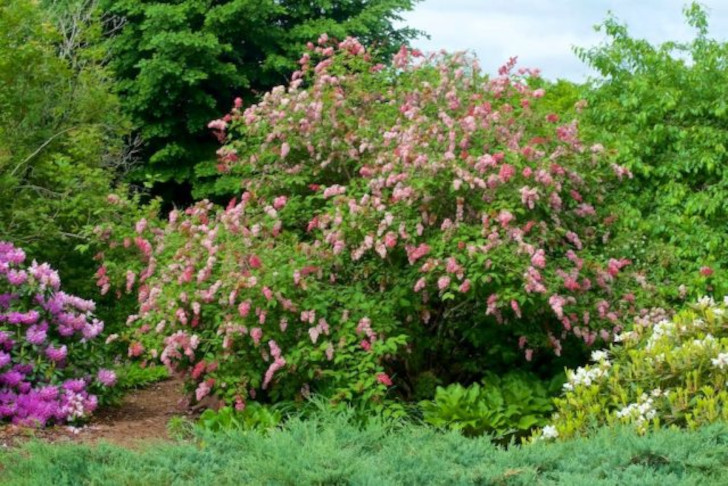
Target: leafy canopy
x=60, y=132
x=179, y=63
x=663, y=110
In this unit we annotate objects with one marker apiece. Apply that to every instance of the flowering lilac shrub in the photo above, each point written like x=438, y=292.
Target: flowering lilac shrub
x=394, y=220
x=245, y=310
x=455, y=185
x=45, y=339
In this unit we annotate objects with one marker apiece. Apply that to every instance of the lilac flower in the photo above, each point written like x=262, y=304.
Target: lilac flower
x=56, y=354
x=49, y=392
x=24, y=368
x=8, y=409
x=10, y=254
x=30, y=317
x=92, y=330
x=26, y=398
x=6, y=299
x=76, y=386
x=54, y=305
x=4, y=359
x=14, y=317
x=78, y=303
x=36, y=334
x=45, y=275
x=106, y=377
x=7, y=343
x=33, y=410
x=65, y=331
x=17, y=277
x=90, y=403
x=11, y=378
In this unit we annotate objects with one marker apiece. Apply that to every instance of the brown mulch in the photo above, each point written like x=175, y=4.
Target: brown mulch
x=142, y=416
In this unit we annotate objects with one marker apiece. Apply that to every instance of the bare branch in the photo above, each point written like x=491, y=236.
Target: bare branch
x=39, y=149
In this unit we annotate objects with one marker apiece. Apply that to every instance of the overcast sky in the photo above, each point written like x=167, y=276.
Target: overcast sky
x=542, y=32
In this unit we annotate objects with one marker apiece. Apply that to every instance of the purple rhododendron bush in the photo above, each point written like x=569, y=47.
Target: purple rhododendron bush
x=395, y=222
x=47, y=369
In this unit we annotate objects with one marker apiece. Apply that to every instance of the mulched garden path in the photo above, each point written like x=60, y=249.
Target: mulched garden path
x=142, y=416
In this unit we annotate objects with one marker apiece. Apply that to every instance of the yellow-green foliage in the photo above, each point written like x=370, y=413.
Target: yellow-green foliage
x=672, y=373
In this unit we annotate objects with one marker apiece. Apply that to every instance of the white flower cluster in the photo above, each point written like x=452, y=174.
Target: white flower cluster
x=638, y=413
x=626, y=336
x=705, y=302
x=587, y=377
x=698, y=323
x=659, y=330
x=706, y=342
x=75, y=407
x=549, y=432
x=721, y=362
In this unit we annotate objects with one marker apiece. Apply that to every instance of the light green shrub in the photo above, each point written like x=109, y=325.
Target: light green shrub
x=672, y=373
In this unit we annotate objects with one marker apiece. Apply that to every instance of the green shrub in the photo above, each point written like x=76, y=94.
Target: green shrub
x=133, y=375
x=60, y=135
x=503, y=407
x=662, y=109
x=671, y=373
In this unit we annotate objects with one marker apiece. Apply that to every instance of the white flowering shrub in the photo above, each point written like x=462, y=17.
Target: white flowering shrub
x=672, y=373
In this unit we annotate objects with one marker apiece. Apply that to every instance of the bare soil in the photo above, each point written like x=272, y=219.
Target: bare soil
x=142, y=417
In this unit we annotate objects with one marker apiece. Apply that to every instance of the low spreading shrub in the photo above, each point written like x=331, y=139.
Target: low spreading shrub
x=334, y=451
x=670, y=373
x=395, y=222
x=49, y=371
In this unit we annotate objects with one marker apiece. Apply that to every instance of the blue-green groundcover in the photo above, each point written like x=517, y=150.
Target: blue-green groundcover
x=336, y=451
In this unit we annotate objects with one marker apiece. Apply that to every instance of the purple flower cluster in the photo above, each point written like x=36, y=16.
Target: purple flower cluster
x=39, y=325
x=36, y=406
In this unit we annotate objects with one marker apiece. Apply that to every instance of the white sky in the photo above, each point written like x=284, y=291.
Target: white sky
x=542, y=32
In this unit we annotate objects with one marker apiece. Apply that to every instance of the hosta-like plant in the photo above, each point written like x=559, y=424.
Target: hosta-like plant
x=47, y=371
x=666, y=373
x=504, y=407
x=395, y=220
